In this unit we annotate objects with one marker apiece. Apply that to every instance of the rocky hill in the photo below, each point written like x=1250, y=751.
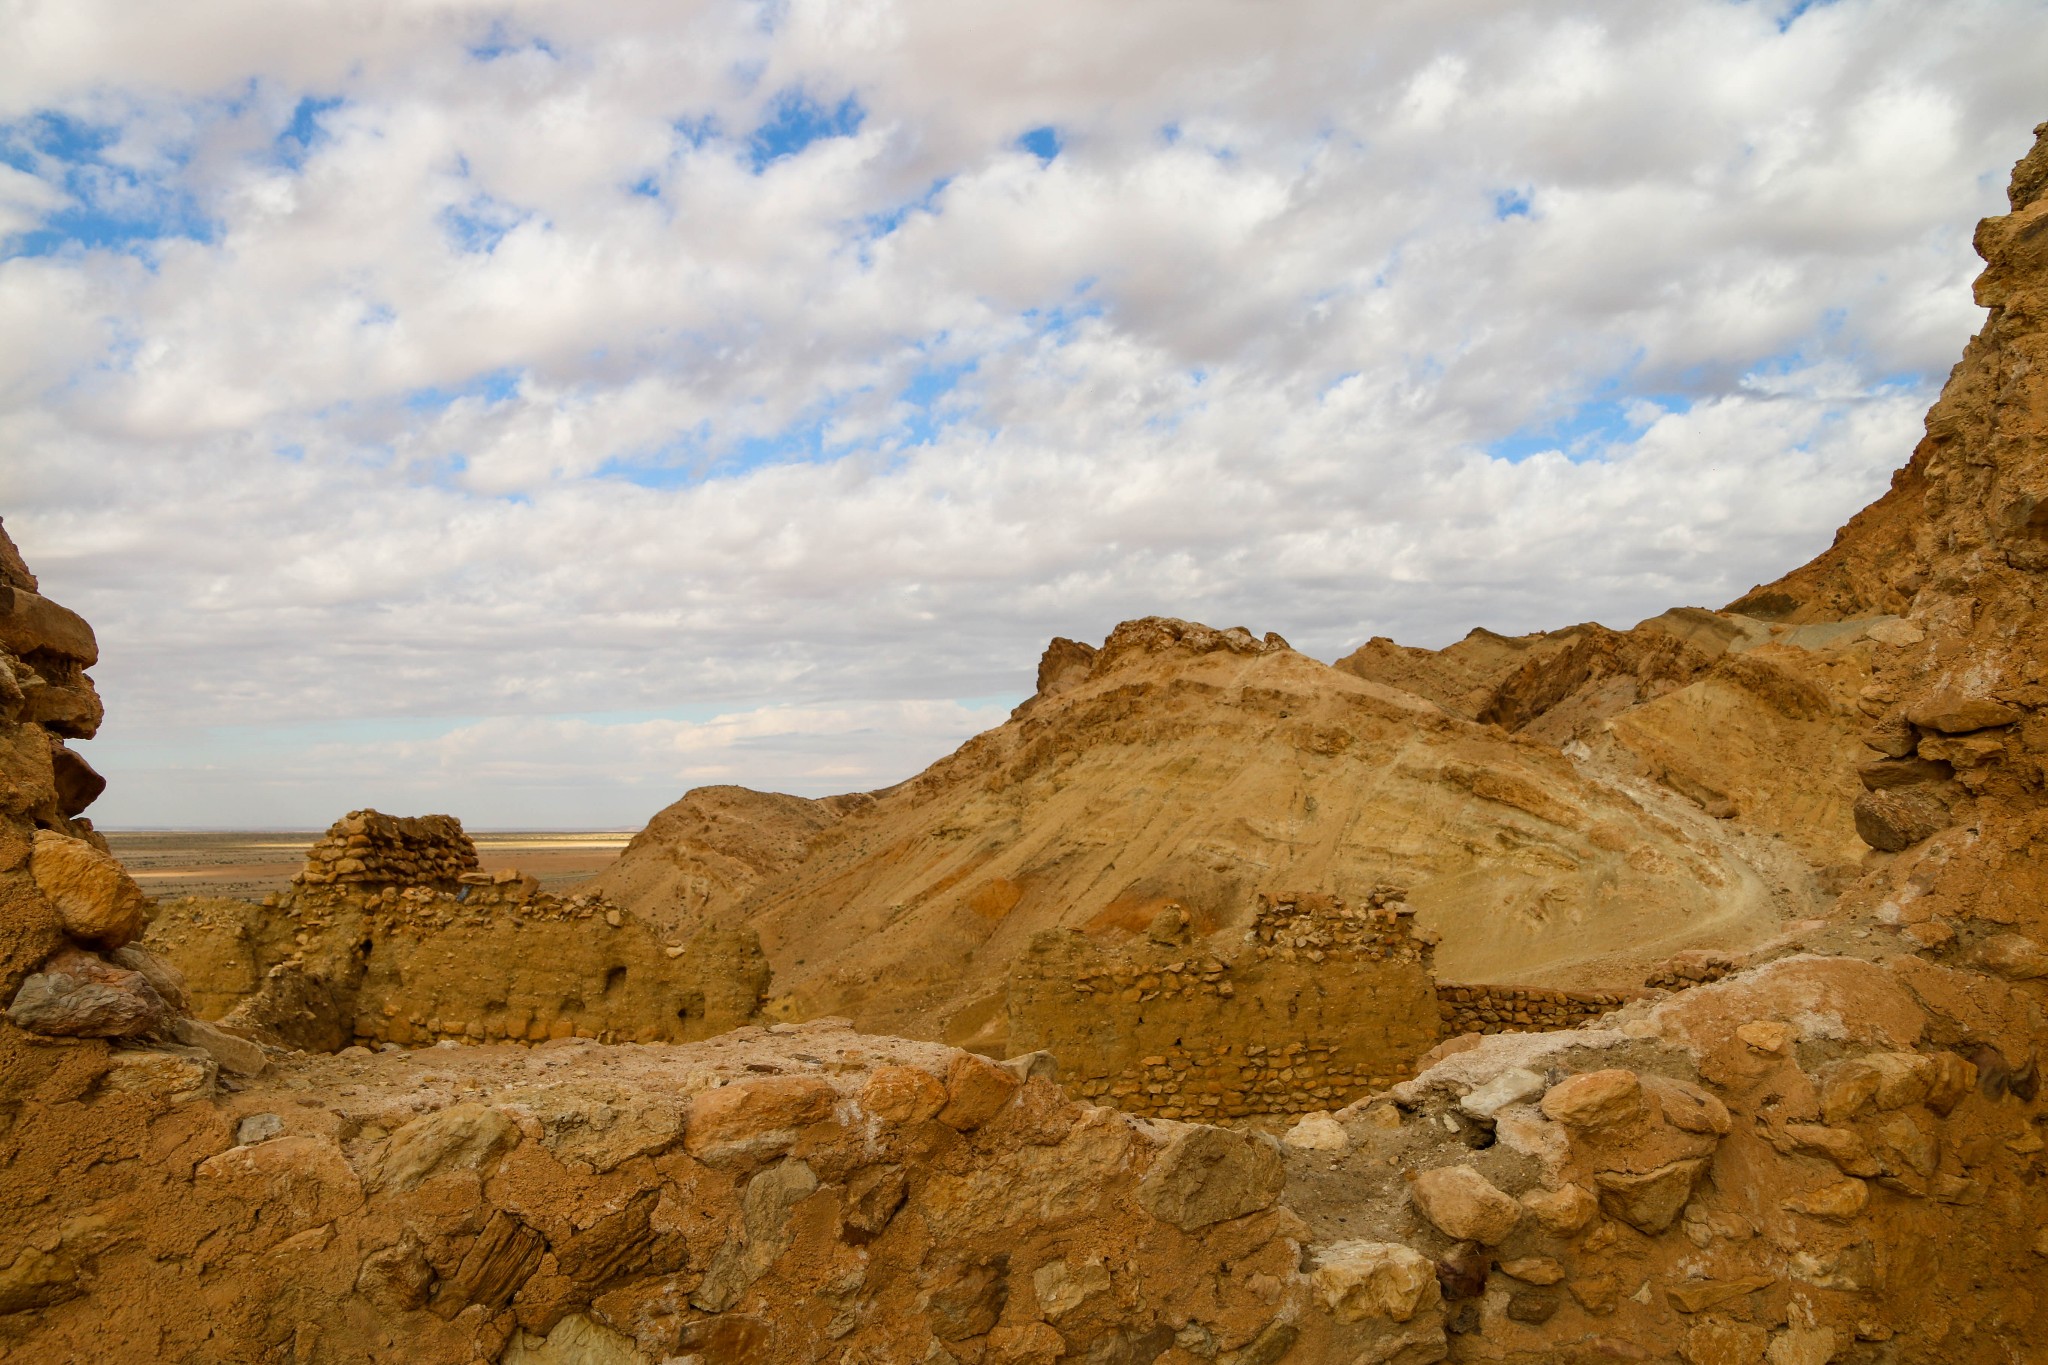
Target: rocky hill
x=1180, y=767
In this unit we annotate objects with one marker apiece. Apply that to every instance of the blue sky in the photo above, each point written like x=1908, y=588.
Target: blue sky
x=534, y=410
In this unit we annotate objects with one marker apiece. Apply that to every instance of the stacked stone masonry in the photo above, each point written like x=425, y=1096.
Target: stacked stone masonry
x=393, y=935
x=1321, y=1002
x=1511, y=1009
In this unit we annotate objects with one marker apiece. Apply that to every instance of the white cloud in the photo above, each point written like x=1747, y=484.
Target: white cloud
x=441, y=418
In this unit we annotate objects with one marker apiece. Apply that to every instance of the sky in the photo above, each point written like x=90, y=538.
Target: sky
x=533, y=410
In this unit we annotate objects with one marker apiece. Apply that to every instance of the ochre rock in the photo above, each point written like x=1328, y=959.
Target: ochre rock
x=97, y=901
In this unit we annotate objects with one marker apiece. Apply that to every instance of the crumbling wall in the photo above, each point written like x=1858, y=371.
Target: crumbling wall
x=1323, y=1001
x=1513, y=1009
x=392, y=934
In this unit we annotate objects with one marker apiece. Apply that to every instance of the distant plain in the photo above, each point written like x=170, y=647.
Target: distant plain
x=250, y=864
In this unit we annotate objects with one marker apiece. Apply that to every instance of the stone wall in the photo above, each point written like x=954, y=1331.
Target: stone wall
x=1322, y=1002
x=391, y=934
x=369, y=848
x=1521, y=1009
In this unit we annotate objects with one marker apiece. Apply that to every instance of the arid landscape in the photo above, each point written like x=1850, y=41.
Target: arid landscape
x=1676, y=993
x=251, y=864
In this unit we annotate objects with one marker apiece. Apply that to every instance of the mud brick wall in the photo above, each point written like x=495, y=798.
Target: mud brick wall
x=1320, y=1003
x=1523, y=1009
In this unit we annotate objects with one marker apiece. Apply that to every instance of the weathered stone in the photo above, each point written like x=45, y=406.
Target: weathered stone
x=1955, y=714
x=31, y=622
x=1062, y=1287
x=1531, y=1307
x=1362, y=1281
x=396, y=1278
x=976, y=1091
x=764, y=1234
x=1769, y=1036
x=77, y=995
x=501, y=1259
x=1840, y=1201
x=1651, y=1202
x=575, y=1340
x=1033, y=1066
x=1317, y=1132
x=1893, y=821
x=1206, y=1175
x=755, y=1119
x=37, y=1279
x=257, y=1128
x=77, y=783
x=1801, y=1346
x=176, y=1074
x=1843, y=1146
x=1595, y=1099
x=967, y=1299
x=97, y=901
x=2014, y=957
x=873, y=1194
x=1462, y=1203
x=1533, y=1269
x=1511, y=1086
x=1700, y=1296
x=165, y=979
x=1561, y=1212
x=1715, y=1342
x=237, y=1056
x=903, y=1094
x=462, y=1137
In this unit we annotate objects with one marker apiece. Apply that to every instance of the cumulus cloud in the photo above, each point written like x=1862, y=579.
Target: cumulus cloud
x=468, y=375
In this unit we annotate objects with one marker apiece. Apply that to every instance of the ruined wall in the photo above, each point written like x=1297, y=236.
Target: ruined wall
x=392, y=934
x=1322, y=1002
x=1521, y=1009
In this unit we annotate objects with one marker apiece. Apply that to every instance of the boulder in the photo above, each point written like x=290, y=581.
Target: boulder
x=1362, y=1281
x=1595, y=1099
x=1317, y=1132
x=77, y=995
x=96, y=900
x=1651, y=1202
x=1206, y=1175
x=1893, y=821
x=1561, y=1212
x=1463, y=1204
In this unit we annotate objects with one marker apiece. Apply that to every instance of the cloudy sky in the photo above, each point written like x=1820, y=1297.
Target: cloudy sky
x=533, y=410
